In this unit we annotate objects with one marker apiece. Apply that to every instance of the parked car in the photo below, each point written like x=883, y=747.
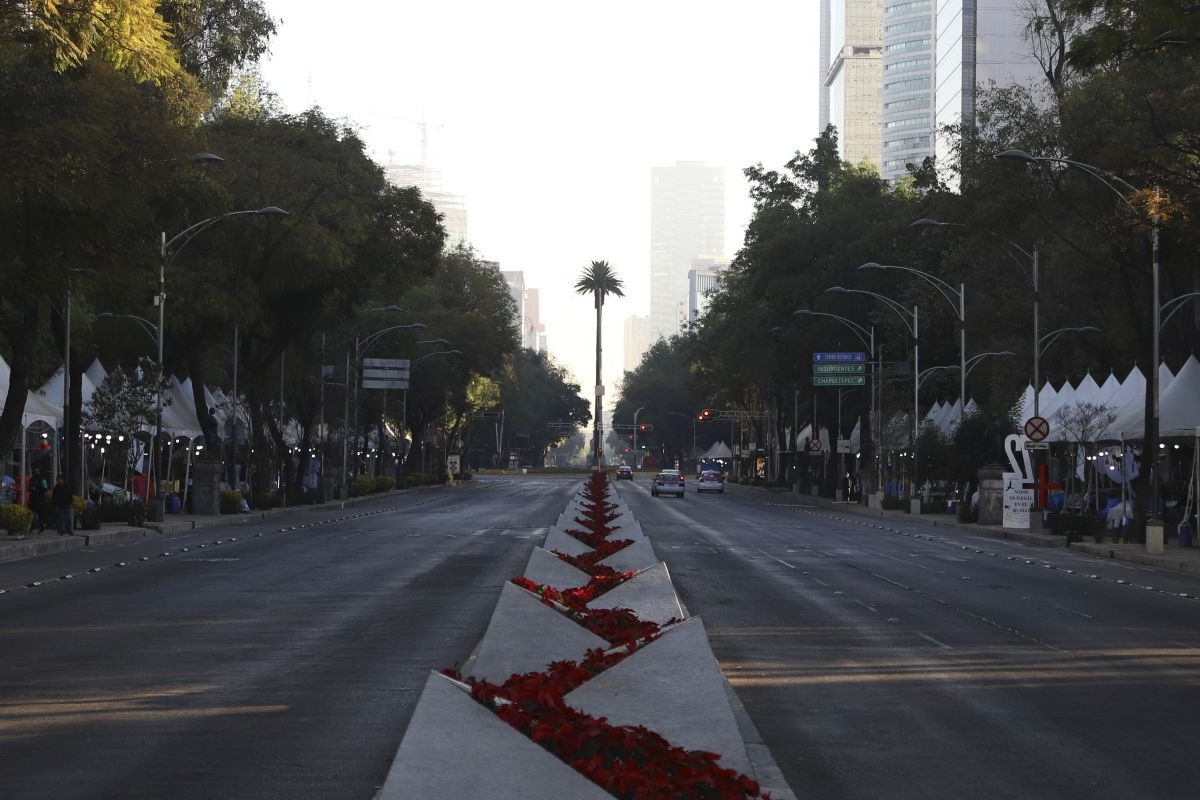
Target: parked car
x=624, y=473
x=710, y=481
x=669, y=481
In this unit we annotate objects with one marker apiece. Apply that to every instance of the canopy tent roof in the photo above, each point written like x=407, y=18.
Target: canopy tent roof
x=718, y=450
x=1178, y=408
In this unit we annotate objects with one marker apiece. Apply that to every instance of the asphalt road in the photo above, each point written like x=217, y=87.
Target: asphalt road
x=875, y=662
x=259, y=662
x=905, y=661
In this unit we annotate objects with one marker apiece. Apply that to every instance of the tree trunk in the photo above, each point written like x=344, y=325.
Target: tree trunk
x=20, y=337
x=597, y=428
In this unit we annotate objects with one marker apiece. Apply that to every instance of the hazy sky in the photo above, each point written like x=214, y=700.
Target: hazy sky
x=547, y=117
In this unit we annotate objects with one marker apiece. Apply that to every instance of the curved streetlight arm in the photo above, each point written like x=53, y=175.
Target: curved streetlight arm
x=948, y=292
x=928, y=222
x=190, y=232
x=907, y=316
x=1094, y=171
x=428, y=356
x=370, y=339
x=1047, y=340
x=1174, y=304
x=858, y=329
x=975, y=360
x=925, y=373
x=145, y=324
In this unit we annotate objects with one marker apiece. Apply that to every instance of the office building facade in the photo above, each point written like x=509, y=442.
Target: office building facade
x=979, y=42
x=852, y=84
x=908, y=84
x=636, y=341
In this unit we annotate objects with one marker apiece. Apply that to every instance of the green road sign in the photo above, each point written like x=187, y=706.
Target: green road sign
x=839, y=369
x=839, y=380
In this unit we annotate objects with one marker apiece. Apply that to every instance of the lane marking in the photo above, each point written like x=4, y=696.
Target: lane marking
x=927, y=637
x=773, y=558
x=1073, y=611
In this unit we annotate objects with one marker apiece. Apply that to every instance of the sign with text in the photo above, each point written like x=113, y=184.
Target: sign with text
x=840, y=369
x=387, y=363
x=823, y=358
x=1018, y=501
x=839, y=380
x=392, y=374
x=843, y=445
x=378, y=383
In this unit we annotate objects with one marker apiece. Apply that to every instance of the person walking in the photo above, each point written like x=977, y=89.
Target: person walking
x=61, y=499
x=37, y=499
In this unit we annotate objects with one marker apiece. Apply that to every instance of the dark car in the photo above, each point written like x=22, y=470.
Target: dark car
x=669, y=481
x=624, y=473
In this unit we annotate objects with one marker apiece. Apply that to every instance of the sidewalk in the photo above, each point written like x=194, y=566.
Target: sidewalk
x=1174, y=557
x=14, y=548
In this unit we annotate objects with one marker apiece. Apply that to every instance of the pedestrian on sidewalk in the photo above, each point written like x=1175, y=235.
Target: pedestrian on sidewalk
x=37, y=499
x=61, y=499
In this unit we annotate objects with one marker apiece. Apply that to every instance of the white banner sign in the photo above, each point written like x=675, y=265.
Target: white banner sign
x=1018, y=501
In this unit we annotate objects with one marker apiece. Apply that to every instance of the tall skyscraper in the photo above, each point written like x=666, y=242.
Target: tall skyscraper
x=908, y=92
x=978, y=42
x=687, y=221
x=852, y=84
x=637, y=341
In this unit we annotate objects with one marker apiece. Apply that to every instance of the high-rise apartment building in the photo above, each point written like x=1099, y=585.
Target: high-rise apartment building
x=637, y=341
x=978, y=42
x=908, y=90
x=452, y=207
x=687, y=221
x=852, y=84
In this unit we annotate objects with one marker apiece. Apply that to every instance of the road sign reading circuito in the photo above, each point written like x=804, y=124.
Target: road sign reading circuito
x=1037, y=428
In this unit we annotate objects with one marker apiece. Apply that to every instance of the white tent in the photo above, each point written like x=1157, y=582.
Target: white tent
x=718, y=450
x=1025, y=404
x=1107, y=389
x=96, y=373
x=52, y=389
x=1165, y=376
x=1179, y=408
x=1047, y=399
x=1087, y=390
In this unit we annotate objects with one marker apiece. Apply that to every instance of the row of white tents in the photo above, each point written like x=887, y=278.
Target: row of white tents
x=179, y=409
x=1178, y=393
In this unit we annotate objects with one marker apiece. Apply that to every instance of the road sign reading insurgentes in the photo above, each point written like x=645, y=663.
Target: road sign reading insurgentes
x=835, y=357
x=840, y=369
x=839, y=380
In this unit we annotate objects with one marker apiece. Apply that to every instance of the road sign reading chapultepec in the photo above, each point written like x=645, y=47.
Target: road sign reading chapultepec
x=839, y=380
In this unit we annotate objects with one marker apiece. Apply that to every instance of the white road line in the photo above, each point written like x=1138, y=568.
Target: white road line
x=942, y=645
x=773, y=558
x=1073, y=611
x=867, y=606
x=907, y=561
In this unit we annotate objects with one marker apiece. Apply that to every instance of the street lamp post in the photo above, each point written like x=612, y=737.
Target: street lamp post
x=866, y=335
x=166, y=258
x=635, y=432
x=947, y=292
x=360, y=347
x=404, y=412
x=1112, y=182
x=911, y=321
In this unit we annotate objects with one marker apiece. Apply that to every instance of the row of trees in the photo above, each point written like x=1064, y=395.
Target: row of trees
x=103, y=106
x=1121, y=78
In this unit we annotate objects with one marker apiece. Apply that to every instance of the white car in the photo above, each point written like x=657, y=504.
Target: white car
x=669, y=481
x=710, y=481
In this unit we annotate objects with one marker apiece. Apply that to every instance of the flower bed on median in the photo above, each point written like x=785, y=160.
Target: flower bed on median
x=630, y=762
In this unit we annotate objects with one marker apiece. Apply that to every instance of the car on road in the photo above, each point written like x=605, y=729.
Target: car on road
x=669, y=481
x=710, y=481
x=624, y=473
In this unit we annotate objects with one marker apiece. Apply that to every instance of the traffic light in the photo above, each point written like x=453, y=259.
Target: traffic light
x=645, y=427
x=705, y=416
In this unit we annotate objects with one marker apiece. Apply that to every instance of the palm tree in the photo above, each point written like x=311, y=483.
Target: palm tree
x=599, y=280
